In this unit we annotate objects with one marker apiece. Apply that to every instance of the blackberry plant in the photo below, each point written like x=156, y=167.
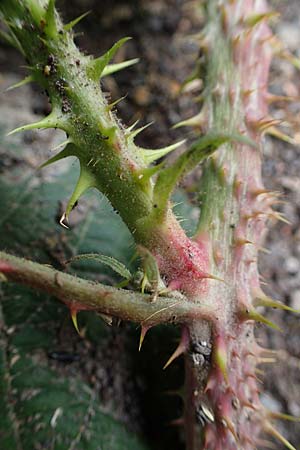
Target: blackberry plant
x=209, y=283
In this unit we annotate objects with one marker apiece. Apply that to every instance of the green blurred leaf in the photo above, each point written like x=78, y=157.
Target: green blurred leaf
x=44, y=404
x=39, y=409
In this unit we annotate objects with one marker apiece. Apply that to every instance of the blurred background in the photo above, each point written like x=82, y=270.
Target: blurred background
x=128, y=387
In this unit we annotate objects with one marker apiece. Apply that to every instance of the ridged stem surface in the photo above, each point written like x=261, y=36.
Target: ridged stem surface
x=216, y=271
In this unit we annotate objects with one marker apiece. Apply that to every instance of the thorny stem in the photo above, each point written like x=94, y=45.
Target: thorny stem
x=234, y=211
x=80, y=294
x=109, y=159
x=222, y=407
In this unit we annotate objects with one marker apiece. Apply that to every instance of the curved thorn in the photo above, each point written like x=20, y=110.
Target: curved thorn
x=229, y=424
x=113, y=104
x=276, y=215
x=275, y=433
x=53, y=120
x=282, y=416
x=209, y=276
x=271, y=98
x=65, y=153
x=182, y=346
x=85, y=182
x=153, y=155
x=254, y=315
x=254, y=19
x=131, y=127
x=134, y=133
x=74, y=319
x=25, y=80
x=112, y=68
x=144, y=329
x=74, y=22
x=267, y=360
x=275, y=132
x=196, y=121
x=263, y=300
x=96, y=66
x=264, y=250
x=63, y=221
x=62, y=144
x=220, y=356
x=11, y=40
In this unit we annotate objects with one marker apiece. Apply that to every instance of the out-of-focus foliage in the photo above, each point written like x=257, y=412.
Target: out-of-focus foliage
x=40, y=407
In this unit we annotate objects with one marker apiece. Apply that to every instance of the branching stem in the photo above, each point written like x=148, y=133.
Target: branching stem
x=80, y=294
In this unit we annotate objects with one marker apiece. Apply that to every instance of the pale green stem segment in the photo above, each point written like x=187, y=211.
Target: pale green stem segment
x=80, y=294
x=109, y=159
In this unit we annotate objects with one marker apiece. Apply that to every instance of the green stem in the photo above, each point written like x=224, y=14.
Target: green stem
x=109, y=159
x=80, y=294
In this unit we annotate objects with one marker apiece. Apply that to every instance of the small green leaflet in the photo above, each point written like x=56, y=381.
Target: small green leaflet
x=151, y=271
x=109, y=261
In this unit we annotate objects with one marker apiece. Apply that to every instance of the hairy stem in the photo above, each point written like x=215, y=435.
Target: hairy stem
x=109, y=159
x=216, y=272
x=80, y=294
x=234, y=211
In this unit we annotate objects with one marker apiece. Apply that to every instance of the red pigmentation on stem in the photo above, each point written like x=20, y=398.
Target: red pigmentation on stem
x=5, y=267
